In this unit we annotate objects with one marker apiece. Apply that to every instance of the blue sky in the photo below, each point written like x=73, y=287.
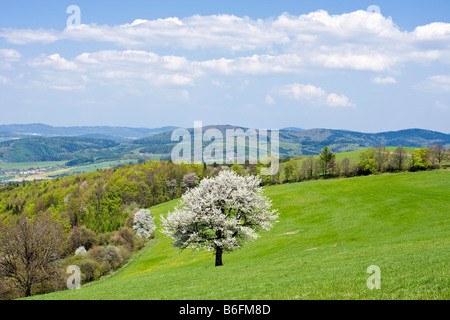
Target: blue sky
x=261, y=64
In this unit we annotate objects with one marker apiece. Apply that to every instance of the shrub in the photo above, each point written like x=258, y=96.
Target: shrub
x=123, y=237
x=96, y=253
x=125, y=253
x=139, y=243
x=113, y=257
x=103, y=238
x=80, y=237
x=90, y=270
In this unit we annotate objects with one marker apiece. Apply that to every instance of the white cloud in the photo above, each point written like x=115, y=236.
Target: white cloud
x=334, y=100
x=27, y=36
x=357, y=40
x=302, y=91
x=115, y=66
x=54, y=61
x=315, y=95
x=440, y=81
x=433, y=31
x=8, y=57
x=10, y=54
x=385, y=80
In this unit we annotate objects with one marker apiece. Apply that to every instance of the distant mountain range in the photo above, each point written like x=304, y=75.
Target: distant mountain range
x=102, y=132
x=39, y=142
x=295, y=141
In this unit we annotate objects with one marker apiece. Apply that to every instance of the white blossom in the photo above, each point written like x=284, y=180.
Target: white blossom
x=144, y=224
x=221, y=213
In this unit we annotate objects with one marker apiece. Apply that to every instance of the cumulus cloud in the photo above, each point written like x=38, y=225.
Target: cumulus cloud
x=313, y=94
x=54, y=61
x=114, y=67
x=334, y=100
x=433, y=31
x=302, y=91
x=235, y=46
x=357, y=40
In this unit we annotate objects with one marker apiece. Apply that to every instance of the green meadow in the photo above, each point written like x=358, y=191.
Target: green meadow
x=329, y=232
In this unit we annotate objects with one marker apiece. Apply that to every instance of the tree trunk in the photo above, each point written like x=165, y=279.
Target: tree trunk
x=28, y=291
x=219, y=252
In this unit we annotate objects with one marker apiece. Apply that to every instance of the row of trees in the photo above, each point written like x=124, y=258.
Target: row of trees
x=373, y=160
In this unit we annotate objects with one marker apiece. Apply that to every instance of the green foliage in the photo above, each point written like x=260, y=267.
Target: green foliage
x=367, y=163
x=50, y=148
x=98, y=200
x=327, y=161
x=420, y=159
x=289, y=168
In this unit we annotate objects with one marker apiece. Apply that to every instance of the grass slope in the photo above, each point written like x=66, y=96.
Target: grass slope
x=399, y=222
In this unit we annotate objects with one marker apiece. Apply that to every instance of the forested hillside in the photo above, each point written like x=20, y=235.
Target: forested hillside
x=100, y=200
x=50, y=149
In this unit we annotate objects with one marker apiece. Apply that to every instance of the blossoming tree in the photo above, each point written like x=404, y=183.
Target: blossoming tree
x=220, y=214
x=143, y=223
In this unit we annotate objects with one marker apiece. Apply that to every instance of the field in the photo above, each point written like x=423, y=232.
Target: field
x=28, y=165
x=329, y=233
x=99, y=166
x=54, y=169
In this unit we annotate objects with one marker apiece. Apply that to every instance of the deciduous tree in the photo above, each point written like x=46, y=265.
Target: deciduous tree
x=220, y=215
x=28, y=251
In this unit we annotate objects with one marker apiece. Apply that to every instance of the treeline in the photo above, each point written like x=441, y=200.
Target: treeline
x=371, y=161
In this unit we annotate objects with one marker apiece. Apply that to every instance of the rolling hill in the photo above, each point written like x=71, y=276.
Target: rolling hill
x=50, y=148
x=119, y=143
x=312, y=141
x=50, y=131
x=329, y=233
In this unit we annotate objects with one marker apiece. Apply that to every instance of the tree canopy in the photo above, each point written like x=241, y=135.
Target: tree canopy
x=221, y=214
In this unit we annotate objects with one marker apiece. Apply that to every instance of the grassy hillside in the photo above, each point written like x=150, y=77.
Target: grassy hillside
x=329, y=233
